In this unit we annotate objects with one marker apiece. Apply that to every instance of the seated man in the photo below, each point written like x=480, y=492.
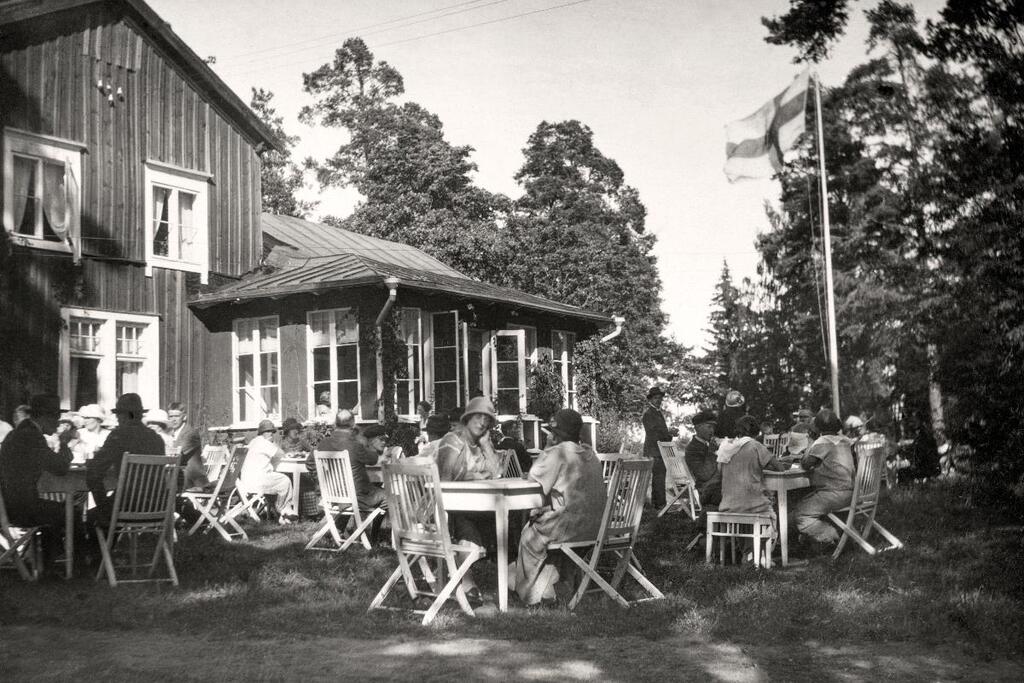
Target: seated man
x=24, y=456
x=129, y=436
x=343, y=438
x=700, y=458
x=259, y=476
x=570, y=474
x=829, y=462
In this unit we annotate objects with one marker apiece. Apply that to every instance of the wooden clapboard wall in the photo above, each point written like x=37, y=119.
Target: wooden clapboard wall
x=50, y=68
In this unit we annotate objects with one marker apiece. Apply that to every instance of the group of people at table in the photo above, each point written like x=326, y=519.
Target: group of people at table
x=727, y=458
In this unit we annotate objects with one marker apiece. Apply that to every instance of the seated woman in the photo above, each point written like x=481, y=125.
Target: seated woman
x=463, y=454
x=571, y=476
x=743, y=461
x=258, y=475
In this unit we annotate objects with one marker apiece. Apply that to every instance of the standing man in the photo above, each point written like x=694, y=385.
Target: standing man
x=655, y=430
x=130, y=436
x=702, y=460
x=24, y=456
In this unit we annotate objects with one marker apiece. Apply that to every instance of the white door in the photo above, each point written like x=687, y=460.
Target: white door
x=507, y=356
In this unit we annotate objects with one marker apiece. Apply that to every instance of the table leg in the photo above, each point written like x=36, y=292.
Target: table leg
x=501, y=524
x=784, y=525
x=69, y=534
x=296, y=478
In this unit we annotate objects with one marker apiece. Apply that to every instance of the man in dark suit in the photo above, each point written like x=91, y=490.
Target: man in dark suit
x=655, y=430
x=701, y=458
x=24, y=456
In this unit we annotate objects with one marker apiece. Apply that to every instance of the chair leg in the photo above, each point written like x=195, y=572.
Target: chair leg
x=107, y=564
x=330, y=522
x=360, y=530
x=454, y=583
x=590, y=574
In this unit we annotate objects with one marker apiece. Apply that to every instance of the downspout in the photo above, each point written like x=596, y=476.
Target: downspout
x=619, y=322
x=392, y=284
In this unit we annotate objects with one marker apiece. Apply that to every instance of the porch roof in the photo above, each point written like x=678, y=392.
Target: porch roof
x=312, y=258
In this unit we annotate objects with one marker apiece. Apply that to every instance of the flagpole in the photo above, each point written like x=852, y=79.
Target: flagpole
x=830, y=303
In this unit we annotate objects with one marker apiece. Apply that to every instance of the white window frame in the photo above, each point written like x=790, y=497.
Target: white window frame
x=531, y=340
x=149, y=373
x=520, y=336
x=179, y=180
x=50, y=148
x=256, y=370
x=565, y=364
x=410, y=359
x=310, y=392
x=459, y=349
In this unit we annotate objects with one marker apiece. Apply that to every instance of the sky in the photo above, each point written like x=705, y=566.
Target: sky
x=656, y=81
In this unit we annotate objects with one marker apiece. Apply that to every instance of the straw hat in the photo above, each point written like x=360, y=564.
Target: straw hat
x=265, y=426
x=92, y=410
x=734, y=399
x=156, y=416
x=480, y=405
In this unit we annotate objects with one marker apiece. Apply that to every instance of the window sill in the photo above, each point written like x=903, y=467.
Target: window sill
x=38, y=243
x=173, y=264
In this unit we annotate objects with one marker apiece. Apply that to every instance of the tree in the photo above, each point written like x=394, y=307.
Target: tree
x=281, y=179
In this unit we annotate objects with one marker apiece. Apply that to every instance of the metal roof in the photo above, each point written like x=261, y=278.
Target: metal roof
x=306, y=269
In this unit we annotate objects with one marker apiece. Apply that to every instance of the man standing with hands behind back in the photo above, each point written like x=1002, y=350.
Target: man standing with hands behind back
x=655, y=430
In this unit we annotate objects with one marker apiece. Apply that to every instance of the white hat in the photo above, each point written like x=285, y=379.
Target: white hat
x=156, y=416
x=853, y=422
x=797, y=443
x=92, y=410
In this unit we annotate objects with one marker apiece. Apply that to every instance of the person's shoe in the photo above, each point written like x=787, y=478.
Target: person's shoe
x=474, y=597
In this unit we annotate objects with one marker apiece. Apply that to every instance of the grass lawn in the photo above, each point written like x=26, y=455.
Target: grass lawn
x=947, y=607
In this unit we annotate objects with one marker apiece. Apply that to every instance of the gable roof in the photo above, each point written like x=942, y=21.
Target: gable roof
x=312, y=257
x=193, y=66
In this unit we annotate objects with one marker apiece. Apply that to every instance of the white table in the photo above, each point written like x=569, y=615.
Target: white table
x=782, y=482
x=498, y=496
x=295, y=467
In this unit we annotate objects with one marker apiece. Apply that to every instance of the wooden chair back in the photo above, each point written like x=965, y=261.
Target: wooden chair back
x=145, y=490
x=510, y=465
x=627, y=492
x=675, y=464
x=394, y=453
x=868, y=478
x=777, y=443
x=334, y=472
x=215, y=458
x=234, y=466
x=418, y=519
x=609, y=462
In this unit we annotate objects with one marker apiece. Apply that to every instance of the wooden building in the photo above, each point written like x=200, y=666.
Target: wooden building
x=131, y=179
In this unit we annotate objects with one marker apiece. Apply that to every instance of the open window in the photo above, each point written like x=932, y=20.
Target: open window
x=562, y=348
x=256, y=371
x=177, y=230
x=409, y=372
x=506, y=356
x=42, y=193
x=447, y=360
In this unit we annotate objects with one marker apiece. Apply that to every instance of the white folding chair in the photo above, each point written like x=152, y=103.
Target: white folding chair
x=419, y=528
x=679, y=480
x=214, y=459
x=249, y=503
x=864, y=504
x=19, y=546
x=143, y=506
x=511, y=466
x=620, y=527
x=609, y=461
x=212, y=505
x=338, y=497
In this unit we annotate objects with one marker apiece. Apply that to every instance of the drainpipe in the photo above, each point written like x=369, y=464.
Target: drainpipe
x=619, y=322
x=392, y=285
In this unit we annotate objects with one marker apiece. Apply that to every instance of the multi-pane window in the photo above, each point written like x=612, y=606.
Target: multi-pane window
x=447, y=375
x=176, y=219
x=408, y=375
x=107, y=354
x=333, y=342
x=509, y=371
x=257, y=392
x=562, y=345
x=42, y=198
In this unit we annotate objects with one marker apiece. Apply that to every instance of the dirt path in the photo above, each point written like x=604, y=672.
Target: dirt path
x=49, y=653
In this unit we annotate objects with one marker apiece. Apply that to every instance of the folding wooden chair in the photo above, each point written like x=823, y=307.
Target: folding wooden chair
x=143, y=505
x=679, y=480
x=620, y=527
x=214, y=459
x=511, y=467
x=864, y=504
x=777, y=443
x=338, y=497
x=419, y=528
x=212, y=505
x=728, y=526
x=609, y=461
x=249, y=503
x=19, y=546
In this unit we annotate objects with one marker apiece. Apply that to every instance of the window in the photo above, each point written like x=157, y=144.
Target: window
x=562, y=347
x=104, y=355
x=333, y=362
x=531, y=340
x=176, y=219
x=256, y=374
x=447, y=360
x=508, y=371
x=409, y=376
x=42, y=197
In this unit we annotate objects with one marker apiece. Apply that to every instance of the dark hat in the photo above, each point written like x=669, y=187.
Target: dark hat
x=291, y=423
x=46, y=405
x=438, y=424
x=826, y=422
x=803, y=413
x=266, y=426
x=129, y=403
x=704, y=417
x=373, y=431
x=655, y=391
x=567, y=424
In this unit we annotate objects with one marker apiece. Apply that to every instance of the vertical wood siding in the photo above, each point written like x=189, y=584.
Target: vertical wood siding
x=49, y=72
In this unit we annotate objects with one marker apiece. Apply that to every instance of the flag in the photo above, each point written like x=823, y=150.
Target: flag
x=754, y=145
